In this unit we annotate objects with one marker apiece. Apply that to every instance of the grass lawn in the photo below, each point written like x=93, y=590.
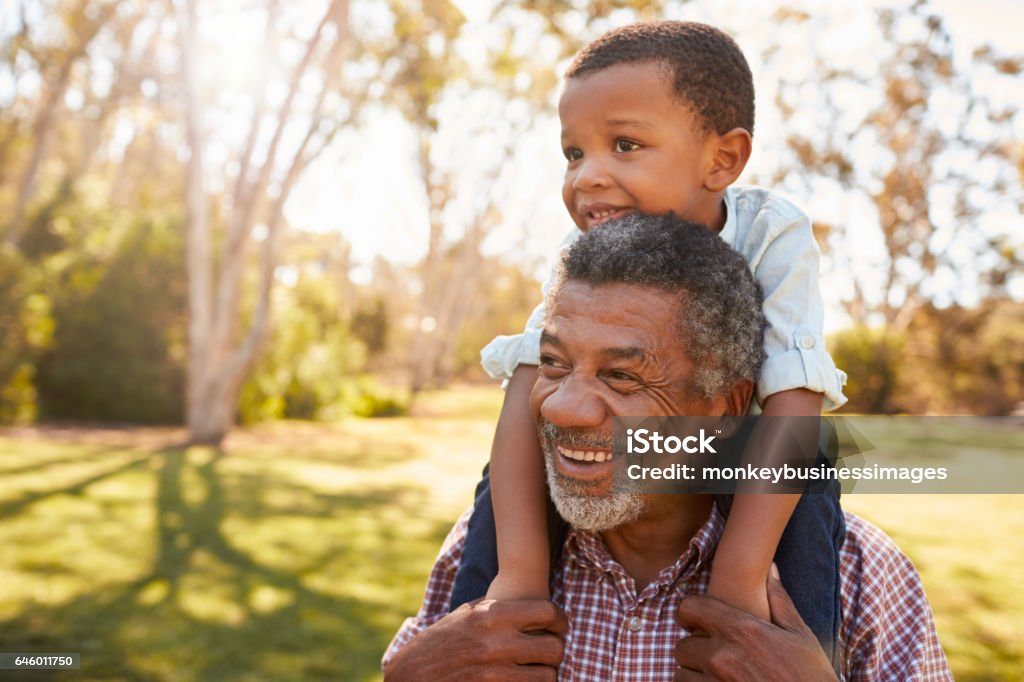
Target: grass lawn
x=296, y=553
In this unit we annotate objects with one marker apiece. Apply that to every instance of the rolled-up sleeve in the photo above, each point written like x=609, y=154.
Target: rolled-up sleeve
x=787, y=269
x=501, y=356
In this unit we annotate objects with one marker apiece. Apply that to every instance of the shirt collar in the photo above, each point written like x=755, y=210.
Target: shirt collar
x=587, y=549
x=728, y=232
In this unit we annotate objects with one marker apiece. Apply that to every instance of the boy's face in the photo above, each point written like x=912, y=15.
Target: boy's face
x=632, y=146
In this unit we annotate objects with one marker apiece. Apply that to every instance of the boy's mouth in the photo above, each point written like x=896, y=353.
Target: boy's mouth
x=596, y=214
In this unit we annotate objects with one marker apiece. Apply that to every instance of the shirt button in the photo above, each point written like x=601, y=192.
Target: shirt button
x=807, y=342
x=634, y=623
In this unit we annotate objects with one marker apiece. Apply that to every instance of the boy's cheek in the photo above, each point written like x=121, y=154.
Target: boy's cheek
x=569, y=200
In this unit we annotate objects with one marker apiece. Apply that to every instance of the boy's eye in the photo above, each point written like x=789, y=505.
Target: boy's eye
x=573, y=154
x=624, y=145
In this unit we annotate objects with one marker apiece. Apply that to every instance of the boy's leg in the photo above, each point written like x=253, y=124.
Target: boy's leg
x=479, y=563
x=808, y=552
x=808, y=561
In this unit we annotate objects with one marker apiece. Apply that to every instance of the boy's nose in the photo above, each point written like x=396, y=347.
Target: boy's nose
x=574, y=403
x=590, y=173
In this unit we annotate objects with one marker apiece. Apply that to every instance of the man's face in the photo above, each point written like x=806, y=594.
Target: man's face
x=632, y=146
x=607, y=351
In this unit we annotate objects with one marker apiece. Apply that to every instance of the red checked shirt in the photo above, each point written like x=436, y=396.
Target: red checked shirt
x=887, y=631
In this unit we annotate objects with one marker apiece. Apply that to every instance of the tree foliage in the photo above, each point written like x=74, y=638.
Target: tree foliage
x=951, y=360
x=918, y=141
x=25, y=331
x=117, y=352
x=142, y=141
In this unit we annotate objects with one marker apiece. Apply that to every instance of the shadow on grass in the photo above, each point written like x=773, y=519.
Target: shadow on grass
x=11, y=508
x=318, y=445
x=46, y=463
x=207, y=610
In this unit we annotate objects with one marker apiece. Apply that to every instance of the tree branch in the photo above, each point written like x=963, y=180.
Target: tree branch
x=44, y=120
x=240, y=226
x=247, y=351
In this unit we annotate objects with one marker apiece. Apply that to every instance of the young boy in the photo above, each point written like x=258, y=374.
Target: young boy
x=659, y=117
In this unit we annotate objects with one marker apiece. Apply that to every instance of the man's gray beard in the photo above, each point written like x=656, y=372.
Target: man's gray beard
x=576, y=501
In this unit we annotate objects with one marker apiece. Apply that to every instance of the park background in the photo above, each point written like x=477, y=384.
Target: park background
x=250, y=249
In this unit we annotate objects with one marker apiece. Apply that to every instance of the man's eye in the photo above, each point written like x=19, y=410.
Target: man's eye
x=616, y=375
x=573, y=154
x=624, y=145
x=551, y=366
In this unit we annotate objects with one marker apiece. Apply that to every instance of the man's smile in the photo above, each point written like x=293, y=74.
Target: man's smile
x=588, y=467
x=585, y=455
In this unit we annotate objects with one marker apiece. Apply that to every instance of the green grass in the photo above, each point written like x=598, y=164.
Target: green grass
x=296, y=553
x=969, y=550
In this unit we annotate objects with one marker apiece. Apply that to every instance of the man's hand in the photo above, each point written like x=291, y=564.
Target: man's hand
x=734, y=646
x=486, y=640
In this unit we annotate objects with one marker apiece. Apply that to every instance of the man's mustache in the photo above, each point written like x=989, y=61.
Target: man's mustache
x=574, y=438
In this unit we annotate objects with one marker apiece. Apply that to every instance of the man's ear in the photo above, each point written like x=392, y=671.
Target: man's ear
x=734, y=404
x=737, y=401
x=732, y=151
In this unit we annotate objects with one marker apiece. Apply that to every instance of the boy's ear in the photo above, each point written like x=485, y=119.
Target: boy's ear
x=730, y=158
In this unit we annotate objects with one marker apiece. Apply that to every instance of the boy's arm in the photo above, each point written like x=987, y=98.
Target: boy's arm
x=518, y=490
x=756, y=521
x=798, y=375
x=519, y=496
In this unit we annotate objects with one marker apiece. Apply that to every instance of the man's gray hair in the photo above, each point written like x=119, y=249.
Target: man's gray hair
x=720, y=316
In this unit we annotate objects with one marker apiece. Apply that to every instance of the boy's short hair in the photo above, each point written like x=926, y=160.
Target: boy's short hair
x=710, y=73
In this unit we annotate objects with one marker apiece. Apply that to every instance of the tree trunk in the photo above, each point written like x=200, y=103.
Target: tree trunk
x=213, y=416
x=218, y=361
x=199, y=409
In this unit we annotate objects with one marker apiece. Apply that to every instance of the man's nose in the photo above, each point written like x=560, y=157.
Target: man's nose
x=575, y=403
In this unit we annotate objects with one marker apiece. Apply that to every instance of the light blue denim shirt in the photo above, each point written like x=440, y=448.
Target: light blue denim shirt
x=775, y=237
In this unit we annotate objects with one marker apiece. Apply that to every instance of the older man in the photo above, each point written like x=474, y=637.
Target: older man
x=654, y=316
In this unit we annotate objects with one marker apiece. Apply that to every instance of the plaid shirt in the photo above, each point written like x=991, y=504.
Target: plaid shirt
x=887, y=631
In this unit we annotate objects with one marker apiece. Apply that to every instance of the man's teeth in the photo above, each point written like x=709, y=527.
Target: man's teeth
x=585, y=455
x=601, y=215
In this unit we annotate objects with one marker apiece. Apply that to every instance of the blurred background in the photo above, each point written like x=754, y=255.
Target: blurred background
x=235, y=234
